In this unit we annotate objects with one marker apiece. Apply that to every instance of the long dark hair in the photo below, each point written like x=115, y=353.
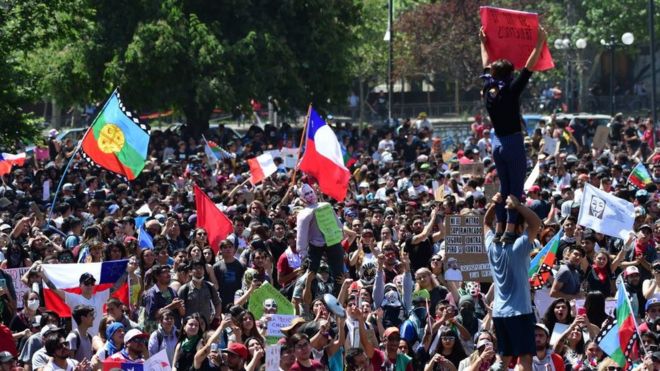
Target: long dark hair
x=200, y=331
x=594, y=303
x=457, y=352
x=549, y=319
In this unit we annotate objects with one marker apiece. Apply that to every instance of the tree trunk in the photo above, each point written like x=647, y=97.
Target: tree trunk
x=56, y=118
x=361, y=100
x=197, y=123
x=457, y=96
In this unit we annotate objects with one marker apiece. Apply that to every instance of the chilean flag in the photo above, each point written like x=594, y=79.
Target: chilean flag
x=7, y=160
x=66, y=277
x=323, y=158
x=261, y=167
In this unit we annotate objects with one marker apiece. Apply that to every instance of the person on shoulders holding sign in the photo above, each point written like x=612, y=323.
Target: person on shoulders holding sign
x=319, y=231
x=501, y=94
x=513, y=316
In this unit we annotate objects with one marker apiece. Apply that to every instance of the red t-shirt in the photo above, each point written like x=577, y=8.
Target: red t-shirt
x=7, y=341
x=316, y=366
x=283, y=268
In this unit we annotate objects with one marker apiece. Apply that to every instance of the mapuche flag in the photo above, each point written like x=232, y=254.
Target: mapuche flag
x=118, y=140
x=619, y=338
x=640, y=176
x=540, y=268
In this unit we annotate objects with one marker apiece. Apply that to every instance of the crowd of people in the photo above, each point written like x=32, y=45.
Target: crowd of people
x=398, y=310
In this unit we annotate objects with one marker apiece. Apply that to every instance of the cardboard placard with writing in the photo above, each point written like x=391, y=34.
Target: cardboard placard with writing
x=465, y=252
x=600, y=138
x=21, y=289
x=476, y=168
x=512, y=35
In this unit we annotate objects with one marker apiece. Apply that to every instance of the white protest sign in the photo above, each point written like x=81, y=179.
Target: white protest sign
x=158, y=362
x=557, y=332
x=277, y=321
x=532, y=177
x=550, y=145
x=21, y=289
x=606, y=213
x=289, y=156
x=273, y=357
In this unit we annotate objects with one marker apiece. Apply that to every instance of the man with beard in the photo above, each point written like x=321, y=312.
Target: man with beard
x=568, y=279
x=420, y=246
x=198, y=295
x=161, y=297
x=633, y=285
x=545, y=358
x=311, y=240
x=58, y=348
x=135, y=348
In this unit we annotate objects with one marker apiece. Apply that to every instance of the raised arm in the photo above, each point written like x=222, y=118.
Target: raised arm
x=484, y=52
x=427, y=229
x=536, y=52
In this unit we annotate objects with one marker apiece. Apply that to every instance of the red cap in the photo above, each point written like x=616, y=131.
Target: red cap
x=389, y=331
x=534, y=188
x=238, y=349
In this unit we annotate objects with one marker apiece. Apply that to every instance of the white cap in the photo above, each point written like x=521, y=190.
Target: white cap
x=134, y=333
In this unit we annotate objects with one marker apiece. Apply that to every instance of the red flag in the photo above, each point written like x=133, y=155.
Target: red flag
x=512, y=35
x=209, y=217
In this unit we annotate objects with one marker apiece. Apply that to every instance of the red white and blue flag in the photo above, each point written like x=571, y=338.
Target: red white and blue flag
x=323, y=158
x=66, y=277
x=7, y=160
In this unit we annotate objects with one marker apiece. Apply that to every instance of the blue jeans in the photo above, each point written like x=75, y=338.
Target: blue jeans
x=511, y=163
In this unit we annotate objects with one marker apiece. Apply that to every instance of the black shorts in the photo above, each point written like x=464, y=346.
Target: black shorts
x=515, y=335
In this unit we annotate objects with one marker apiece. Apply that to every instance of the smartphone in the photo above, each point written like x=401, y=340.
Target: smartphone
x=214, y=347
x=582, y=311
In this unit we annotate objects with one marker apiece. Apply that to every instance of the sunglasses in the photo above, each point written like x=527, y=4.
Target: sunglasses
x=448, y=338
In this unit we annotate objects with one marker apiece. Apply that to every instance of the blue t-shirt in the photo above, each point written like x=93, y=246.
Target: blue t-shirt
x=509, y=264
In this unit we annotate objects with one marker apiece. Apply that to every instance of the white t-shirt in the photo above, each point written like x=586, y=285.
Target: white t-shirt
x=70, y=365
x=97, y=302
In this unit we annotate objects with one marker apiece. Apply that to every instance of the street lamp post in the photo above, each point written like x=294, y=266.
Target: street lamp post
x=627, y=39
x=390, y=81
x=565, y=44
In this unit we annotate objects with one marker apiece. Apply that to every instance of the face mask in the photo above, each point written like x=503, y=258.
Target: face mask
x=33, y=304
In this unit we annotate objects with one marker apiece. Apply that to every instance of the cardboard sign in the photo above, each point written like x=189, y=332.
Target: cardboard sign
x=490, y=190
x=267, y=291
x=600, y=138
x=550, y=146
x=465, y=252
x=327, y=223
x=476, y=168
x=438, y=190
x=512, y=35
x=278, y=321
x=21, y=289
x=273, y=357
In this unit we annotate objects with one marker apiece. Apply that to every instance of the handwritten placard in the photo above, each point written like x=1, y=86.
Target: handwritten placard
x=327, y=223
x=465, y=253
x=277, y=322
x=273, y=357
x=267, y=291
x=512, y=35
x=21, y=289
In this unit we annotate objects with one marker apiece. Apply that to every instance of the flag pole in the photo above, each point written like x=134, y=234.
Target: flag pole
x=302, y=139
x=73, y=156
x=237, y=187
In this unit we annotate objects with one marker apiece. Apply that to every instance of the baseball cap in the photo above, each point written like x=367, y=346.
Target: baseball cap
x=67, y=187
x=655, y=299
x=5, y=357
x=87, y=277
x=238, y=349
x=543, y=327
x=133, y=334
x=534, y=189
x=631, y=270
x=421, y=296
x=390, y=331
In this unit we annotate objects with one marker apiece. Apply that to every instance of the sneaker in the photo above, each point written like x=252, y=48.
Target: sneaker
x=509, y=237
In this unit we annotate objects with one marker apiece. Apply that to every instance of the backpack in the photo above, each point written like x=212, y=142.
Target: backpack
x=160, y=337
